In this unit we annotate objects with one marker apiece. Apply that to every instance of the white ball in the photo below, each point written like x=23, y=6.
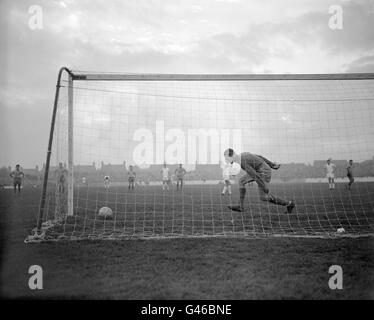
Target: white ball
x=340, y=230
x=235, y=169
x=105, y=212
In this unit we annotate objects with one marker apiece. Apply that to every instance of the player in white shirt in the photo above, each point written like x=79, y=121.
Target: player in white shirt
x=106, y=182
x=330, y=173
x=226, y=178
x=165, y=177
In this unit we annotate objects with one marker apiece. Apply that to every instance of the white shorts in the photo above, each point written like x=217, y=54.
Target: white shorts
x=226, y=177
x=330, y=176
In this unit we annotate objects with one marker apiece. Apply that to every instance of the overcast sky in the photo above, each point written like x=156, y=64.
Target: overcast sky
x=166, y=36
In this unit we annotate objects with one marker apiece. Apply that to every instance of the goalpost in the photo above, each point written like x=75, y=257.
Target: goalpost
x=104, y=122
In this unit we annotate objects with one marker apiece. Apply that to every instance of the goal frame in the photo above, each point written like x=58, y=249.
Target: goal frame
x=98, y=76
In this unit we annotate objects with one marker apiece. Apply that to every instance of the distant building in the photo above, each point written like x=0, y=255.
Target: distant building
x=364, y=169
x=155, y=169
x=208, y=171
x=109, y=168
x=291, y=171
x=84, y=170
x=322, y=163
x=31, y=172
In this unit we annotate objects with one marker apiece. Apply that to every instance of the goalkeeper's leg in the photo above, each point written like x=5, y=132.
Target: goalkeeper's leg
x=289, y=204
x=242, y=182
x=265, y=195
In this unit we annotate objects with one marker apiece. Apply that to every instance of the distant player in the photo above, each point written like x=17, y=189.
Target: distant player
x=61, y=176
x=350, y=175
x=165, y=177
x=61, y=190
x=106, y=182
x=17, y=175
x=330, y=173
x=131, y=178
x=258, y=169
x=180, y=172
x=226, y=178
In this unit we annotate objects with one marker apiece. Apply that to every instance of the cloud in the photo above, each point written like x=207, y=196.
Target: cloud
x=363, y=64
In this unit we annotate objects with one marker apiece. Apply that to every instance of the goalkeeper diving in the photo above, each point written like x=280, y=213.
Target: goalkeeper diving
x=257, y=169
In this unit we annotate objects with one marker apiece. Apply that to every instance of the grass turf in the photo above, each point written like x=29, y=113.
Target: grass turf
x=212, y=268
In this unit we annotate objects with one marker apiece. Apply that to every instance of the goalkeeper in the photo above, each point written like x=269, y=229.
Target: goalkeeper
x=258, y=169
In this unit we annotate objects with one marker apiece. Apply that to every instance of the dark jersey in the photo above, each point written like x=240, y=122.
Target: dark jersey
x=180, y=172
x=350, y=170
x=17, y=175
x=257, y=168
x=61, y=175
x=249, y=160
x=131, y=174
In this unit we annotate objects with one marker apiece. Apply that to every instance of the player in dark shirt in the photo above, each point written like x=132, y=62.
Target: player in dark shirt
x=350, y=175
x=17, y=175
x=180, y=172
x=258, y=169
x=61, y=174
x=131, y=178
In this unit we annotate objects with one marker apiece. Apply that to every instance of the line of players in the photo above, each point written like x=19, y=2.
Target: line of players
x=330, y=174
x=179, y=175
x=18, y=176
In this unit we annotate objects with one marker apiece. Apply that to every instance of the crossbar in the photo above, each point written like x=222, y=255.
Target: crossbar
x=79, y=75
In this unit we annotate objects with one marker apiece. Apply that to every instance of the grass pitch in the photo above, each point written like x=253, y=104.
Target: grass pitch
x=201, y=268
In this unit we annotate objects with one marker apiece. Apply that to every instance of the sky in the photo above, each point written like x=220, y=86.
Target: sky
x=170, y=36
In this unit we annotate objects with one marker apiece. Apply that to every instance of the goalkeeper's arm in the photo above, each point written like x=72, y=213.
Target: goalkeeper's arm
x=271, y=164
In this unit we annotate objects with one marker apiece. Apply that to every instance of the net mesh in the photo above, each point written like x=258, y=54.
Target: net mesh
x=298, y=123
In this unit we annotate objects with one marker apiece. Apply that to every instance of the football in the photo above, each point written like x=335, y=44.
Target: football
x=105, y=212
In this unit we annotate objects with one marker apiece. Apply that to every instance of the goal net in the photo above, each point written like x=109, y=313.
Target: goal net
x=103, y=123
